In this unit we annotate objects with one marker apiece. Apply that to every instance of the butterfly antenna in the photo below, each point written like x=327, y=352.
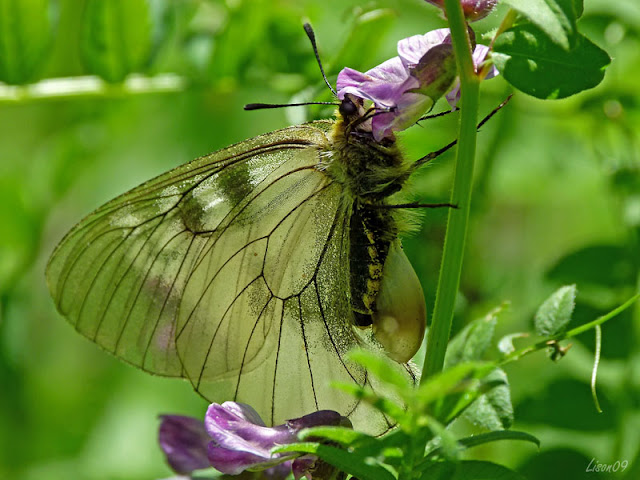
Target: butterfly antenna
x=262, y=106
x=437, y=153
x=312, y=38
x=436, y=115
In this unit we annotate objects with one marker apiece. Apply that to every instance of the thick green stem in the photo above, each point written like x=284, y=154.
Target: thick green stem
x=454, y=244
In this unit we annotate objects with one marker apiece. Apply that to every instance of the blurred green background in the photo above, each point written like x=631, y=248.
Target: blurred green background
x=557, y=201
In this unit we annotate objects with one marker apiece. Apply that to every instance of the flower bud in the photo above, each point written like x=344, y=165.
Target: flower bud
x=435, y=72
x=473, y=9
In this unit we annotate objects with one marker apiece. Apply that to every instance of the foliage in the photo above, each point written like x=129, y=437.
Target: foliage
x=556, y=202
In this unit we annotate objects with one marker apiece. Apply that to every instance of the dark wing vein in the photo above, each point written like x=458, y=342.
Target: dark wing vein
x=118, y=276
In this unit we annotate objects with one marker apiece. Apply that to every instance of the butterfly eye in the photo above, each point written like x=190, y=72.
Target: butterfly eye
x=347, y=108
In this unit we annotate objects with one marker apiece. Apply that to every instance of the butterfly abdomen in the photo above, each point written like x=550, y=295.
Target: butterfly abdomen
x=369, y=244
x=386, y=294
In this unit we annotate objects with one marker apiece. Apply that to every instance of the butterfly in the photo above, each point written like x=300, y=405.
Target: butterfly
x=254, y=270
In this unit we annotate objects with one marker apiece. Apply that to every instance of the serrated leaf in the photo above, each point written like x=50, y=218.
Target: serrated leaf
x=556, y=18
x=473, y=340
x=25, y=36
x=493, y=410
x=468, y=470
x=349, y=462
x=535, y=65
x=117, y=37
x=555, y=312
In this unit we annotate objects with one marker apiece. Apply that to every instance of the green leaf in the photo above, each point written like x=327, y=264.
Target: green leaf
x=449, y=447
x=469, y=470
x=483, y=438
x=493, y=410
x=449, y=393
x=555, y=313
x=556, y=18
x=241, y=35
x=472, y=341
x=117, y=37
x=578, y=7
x=366, y=34
x=531, y=62
x=489, y=437
x=505, y=345
x=342, y=435
x=606, y=265
x=450, y=380
x=25, y=36
x=382, y=368
x=381, y=403
x=380, y=447
x=350, y=462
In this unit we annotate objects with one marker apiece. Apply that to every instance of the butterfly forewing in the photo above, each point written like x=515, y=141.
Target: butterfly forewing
x=118, y=276
x=231, y=271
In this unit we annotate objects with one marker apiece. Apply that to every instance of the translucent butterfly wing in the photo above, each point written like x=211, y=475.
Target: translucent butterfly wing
x=119, y=275
x=231, y=271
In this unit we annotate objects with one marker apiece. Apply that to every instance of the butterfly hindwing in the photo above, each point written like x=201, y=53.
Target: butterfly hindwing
x=230, y=271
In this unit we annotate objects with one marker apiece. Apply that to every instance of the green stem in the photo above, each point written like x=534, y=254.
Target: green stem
x=518, y=354
x=451, y=266
x=90, y=86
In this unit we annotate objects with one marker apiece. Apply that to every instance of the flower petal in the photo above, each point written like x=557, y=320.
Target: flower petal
x=315, y=419
x=409, y=109
x=412, y=49
x=479, y=55
x=244, y=411
x=233, y=462
x=184, y=442
x=231, y=430
x=303, y=466
x=383, y=85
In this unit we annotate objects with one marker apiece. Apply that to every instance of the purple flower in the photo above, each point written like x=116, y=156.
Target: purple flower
x=234, y=439
x=406, y=86
x=184, y=441
x=473, y=9
x=479, y=55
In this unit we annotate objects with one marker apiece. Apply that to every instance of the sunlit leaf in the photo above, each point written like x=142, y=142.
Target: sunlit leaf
x=473, y=340
x=25, y=36
x=555, y=17
x=117, y=37
x=535, y=65
x=493, y=410
x=555, y=312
